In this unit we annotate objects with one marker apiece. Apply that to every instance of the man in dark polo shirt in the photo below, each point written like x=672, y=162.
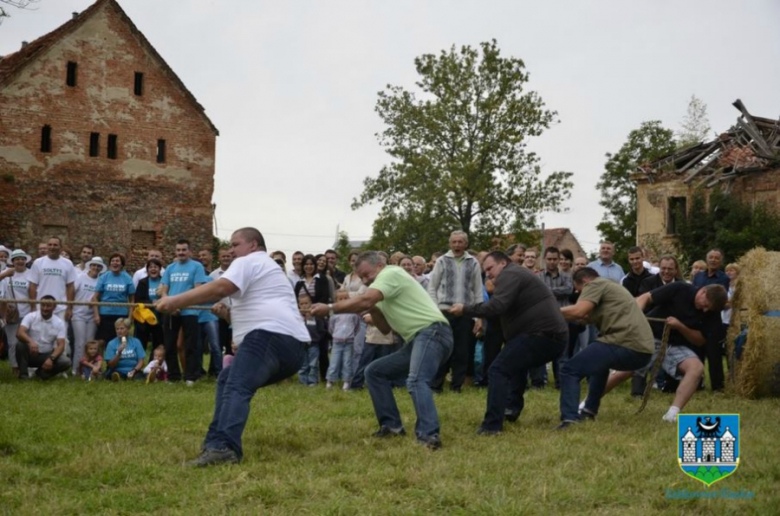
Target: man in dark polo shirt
x=534, y=331
x=713, y=351
x=625, y=342
x=633, y=280
x=669, y=272
x=692, y=313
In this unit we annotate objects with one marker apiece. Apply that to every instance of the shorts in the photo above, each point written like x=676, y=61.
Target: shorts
x=674, y=356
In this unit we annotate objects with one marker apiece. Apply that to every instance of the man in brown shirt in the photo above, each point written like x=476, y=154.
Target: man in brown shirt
x=625, y=342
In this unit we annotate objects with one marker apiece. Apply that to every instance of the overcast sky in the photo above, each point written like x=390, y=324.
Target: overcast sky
x=292, y=85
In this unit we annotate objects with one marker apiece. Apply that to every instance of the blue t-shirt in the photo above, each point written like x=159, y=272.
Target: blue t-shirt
x=130, y=355
x=114, y=288
x=205, y=315
x=181, y=277
x=153, y=284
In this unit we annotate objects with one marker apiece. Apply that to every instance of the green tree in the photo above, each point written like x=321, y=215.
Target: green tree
x=343, y=249
x=695, y=124
x=459, y=153
x=21, y=4
x=618, y=190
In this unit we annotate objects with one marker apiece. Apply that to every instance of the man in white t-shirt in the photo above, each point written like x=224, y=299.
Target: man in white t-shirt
x=267, y=328
x=53, y=275
x=41, y=343
x=142, y=273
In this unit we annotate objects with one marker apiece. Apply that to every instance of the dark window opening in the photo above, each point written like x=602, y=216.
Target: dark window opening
x=94, y=144
x=160, y=151
x=70, y=78
x=112, y=146
x=139, y=83
x=46, y=138
x=678, y=210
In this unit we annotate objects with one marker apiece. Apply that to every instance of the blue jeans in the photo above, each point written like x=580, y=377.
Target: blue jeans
x=210, y=331
x=594, y=361
x=340, y=362
x=309, y=372
x=418, y=361
x=370, y=353
x=263, y=358
x=507, y=374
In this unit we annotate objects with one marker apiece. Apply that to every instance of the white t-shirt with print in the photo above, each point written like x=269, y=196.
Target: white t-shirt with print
x=20, y=283
x=52, y=278
x=45, y=332
x=85, y=290
x=264, y=300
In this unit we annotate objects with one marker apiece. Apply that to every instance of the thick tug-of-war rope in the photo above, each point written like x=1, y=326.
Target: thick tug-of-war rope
x=94, y=303
x=658, y=361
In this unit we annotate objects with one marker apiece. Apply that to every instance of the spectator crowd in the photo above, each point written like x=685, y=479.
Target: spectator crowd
x=117, y=341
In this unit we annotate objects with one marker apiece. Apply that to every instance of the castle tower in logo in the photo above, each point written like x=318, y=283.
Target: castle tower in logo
x=708, y=446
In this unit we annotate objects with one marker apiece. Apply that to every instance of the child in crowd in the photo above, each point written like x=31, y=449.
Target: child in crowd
x=310, y=370
x=343, y=328
x=124, y=355
x=156, y=370
x=91, y=361
x=698, y=266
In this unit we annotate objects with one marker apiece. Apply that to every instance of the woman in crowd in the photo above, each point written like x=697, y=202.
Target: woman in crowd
x=83, y=320
x=698, y=266
x=146, y=292
x=115, y=286
x=566, y=261
x=15, y=284
x=322, y=270
x=314, y=285
x=124, y=354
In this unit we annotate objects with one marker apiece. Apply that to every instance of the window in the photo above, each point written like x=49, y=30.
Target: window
x=678, y=209
x=94, y=144
x=70, y=76
x=160, y=151
x=139, y=83
x=112, y=145
x=46, y=138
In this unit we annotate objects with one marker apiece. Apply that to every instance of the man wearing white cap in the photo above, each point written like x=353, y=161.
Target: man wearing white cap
x=83, y=321
x=14, y=284
x=52, y=275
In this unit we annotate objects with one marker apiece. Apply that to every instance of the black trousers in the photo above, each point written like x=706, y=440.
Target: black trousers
x=459, y=359
x=172, y=325
x=324, y=344
x=27, y=359
x=226, y=337
x=491, y=346
x=714, y=354
x=147, y=333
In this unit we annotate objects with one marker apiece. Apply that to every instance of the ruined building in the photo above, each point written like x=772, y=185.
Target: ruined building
x=101, y=143
x=744, y=161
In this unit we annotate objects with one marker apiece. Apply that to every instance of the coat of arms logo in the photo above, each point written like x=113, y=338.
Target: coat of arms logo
x=708, y=445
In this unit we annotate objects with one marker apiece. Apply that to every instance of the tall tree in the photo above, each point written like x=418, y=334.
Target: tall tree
x=21, y=4
x=618, y=189
x=459, y=153
x=695, y=125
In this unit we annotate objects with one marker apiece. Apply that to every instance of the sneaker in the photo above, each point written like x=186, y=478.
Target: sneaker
x=488, y=433
x=189, y=383
x=213, y=458
x=565, y=424
x=432, y=442
x=587, y=416
x=511, y=415
x=582, y=405
x=385, y=431
x=345, y=387
x=116, y=377
x=329, y=385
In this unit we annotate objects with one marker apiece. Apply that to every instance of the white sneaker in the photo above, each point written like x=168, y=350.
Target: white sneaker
x=346, y=386
x=582, y=404
x=329, y=385
x=189, y=383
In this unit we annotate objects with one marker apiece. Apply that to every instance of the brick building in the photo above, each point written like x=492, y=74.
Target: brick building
x=745, y=162
x=101, y=142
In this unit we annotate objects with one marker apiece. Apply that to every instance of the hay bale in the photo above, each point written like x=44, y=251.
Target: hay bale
x=757, y=291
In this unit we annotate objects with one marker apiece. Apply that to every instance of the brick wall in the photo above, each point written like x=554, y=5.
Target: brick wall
x=108, y=203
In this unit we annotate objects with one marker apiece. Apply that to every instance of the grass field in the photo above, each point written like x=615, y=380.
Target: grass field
x=72, y=447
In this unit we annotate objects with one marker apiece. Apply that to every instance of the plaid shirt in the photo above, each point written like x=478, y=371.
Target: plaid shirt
x=560, y=285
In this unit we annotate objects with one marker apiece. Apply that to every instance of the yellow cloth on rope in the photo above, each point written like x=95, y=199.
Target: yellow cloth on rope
x=144, y=315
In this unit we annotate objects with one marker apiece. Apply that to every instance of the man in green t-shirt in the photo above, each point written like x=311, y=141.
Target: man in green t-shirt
x=625, y=342
x=397, y=302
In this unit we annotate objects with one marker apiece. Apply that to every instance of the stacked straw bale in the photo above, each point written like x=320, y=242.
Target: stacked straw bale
x=757, y=373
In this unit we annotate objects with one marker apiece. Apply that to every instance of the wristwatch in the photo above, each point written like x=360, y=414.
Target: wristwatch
x=330, y=309
x=53, y=358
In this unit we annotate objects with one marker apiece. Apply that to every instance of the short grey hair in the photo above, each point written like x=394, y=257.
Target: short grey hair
x=459, y=232
x=372, y=257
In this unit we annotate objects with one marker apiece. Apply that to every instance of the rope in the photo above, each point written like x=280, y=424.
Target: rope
x=96, y=303
x=657, y=364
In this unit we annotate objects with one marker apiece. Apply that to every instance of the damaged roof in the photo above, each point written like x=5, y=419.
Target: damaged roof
x=752, y=145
